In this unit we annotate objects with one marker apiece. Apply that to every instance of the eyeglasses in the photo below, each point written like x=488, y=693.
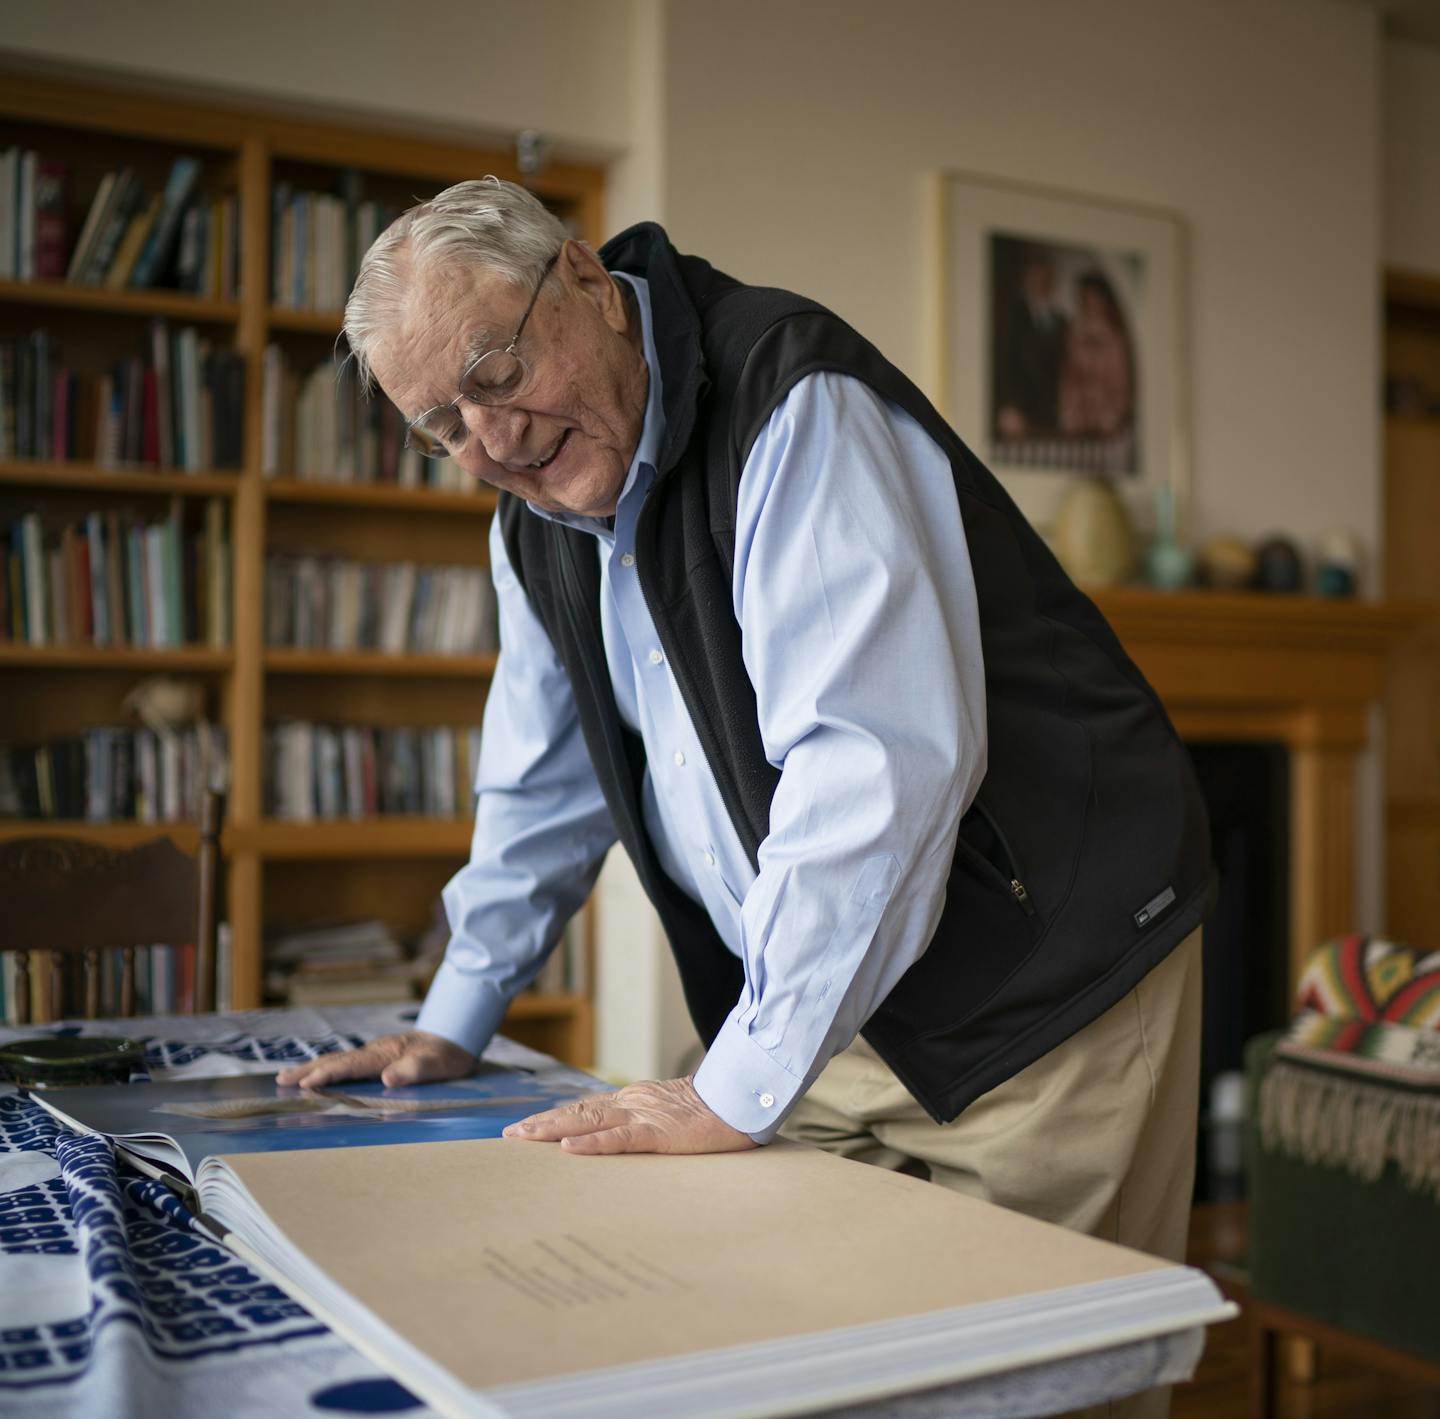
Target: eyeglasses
x=496, y=377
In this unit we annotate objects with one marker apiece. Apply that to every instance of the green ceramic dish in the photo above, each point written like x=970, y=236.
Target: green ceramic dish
x=52, y=1061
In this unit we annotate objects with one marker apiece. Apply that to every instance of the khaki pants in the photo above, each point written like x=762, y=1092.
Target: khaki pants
x=1098, y=1135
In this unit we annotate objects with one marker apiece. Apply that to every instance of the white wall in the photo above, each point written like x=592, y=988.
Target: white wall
x=1412, y=156
x=498, y=66
x=799, y=136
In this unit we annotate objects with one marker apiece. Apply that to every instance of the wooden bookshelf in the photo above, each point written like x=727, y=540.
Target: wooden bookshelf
x=185, y=659
x=368, y=837
x=480, y=503
x=283, y=661
x=387, y=866
x=112, y=835
x=45, y=475
x=315, y=322
x=170, y=304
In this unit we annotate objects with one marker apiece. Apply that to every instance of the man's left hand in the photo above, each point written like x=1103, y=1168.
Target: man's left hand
x=661, y=1116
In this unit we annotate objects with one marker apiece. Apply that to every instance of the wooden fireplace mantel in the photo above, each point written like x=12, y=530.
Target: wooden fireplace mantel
x=1300, y=671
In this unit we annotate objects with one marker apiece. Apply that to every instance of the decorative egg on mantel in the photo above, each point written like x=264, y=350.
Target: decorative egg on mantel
x=1093, y=537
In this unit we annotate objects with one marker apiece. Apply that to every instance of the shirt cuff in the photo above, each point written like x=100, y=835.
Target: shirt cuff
x=464, y=1009
x=739, y=1082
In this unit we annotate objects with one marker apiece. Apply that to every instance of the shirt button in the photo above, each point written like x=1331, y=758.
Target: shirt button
x=709, y=858
x=767, y=1101
x=656, y=657
x=679, y=760
x=628, y=559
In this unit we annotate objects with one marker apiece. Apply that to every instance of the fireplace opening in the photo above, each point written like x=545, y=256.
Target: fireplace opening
x=1246, y=974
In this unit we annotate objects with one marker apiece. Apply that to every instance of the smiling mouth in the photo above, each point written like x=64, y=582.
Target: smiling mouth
x=551, y=456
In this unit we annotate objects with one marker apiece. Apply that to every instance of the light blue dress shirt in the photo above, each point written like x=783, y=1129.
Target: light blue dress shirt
x=856, y=603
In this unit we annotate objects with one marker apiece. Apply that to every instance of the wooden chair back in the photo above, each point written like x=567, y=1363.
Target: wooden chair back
x=66, y=896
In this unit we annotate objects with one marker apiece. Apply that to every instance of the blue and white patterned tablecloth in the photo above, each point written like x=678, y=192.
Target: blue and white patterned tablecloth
x=115, y=1303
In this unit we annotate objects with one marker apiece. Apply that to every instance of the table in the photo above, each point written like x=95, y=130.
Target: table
x=114, y=1302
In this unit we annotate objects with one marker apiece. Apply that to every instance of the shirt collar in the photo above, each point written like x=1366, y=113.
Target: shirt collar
x=652, y=431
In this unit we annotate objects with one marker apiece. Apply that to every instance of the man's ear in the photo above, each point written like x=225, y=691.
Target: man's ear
x=585, y=274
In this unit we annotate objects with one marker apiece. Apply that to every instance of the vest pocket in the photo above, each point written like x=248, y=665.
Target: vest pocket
x=982, y=841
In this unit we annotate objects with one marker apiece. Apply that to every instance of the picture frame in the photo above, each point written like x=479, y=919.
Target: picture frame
x=1059, y=340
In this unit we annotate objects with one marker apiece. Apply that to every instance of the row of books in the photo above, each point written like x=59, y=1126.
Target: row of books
x=130, y=238
x=319, y=426
x=317, y=771
x=180, y=404
x=33, y=216
x=116, y=579
x=331, y=603
x=317, y=240
x=115, y=773
x=164, y=982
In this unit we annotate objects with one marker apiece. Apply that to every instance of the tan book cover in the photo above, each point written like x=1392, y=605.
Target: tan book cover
x=503, y=1269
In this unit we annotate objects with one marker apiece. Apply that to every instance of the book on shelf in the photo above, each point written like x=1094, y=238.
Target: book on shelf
x=115, y=774
x=52, y=183
x=124, y=201
x=616, y=1286
x=117, y=579
x=330, y=771
x=158, y=250
x=319, y=427
x=9, y=214
x=331, y=603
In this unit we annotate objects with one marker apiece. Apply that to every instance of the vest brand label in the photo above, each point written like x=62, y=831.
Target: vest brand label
x=1154, y=907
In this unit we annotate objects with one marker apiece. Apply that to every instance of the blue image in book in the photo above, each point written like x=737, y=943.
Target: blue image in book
x=174, y=1127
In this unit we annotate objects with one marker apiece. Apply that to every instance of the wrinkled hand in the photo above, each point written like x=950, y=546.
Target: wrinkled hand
x=415, y=1057
x=660, y=1116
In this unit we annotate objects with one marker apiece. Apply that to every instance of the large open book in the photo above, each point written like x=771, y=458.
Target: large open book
x=501, y=1277
x=169, y=1129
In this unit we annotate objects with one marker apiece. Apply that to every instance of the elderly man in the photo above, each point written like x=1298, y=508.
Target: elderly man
x=927, y=850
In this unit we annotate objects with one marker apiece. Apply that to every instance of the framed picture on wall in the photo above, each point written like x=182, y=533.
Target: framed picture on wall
x=1061, y=339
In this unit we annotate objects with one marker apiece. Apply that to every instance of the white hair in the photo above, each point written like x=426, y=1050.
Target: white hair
x=488, y=222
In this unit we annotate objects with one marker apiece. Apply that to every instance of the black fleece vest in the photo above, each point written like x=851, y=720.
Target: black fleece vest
x=1084, y=860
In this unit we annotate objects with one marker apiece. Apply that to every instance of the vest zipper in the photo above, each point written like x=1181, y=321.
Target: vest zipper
x=1017, y=887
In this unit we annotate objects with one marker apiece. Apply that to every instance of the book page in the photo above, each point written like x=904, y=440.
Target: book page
x=510, y=1261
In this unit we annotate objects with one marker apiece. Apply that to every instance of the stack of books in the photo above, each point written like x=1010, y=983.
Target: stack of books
x=333, y=604
x=131, y=238
x=350, y=963
x=317, y=240
x=567, y=968
x=320, y=428
x=367, y=771
x=114, y=774
x=116, y=579
x=179, y=404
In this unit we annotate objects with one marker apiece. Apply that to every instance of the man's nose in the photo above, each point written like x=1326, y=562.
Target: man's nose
x=498, y=428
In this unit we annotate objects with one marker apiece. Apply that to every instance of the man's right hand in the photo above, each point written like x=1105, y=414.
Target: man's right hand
x=415, y=1057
